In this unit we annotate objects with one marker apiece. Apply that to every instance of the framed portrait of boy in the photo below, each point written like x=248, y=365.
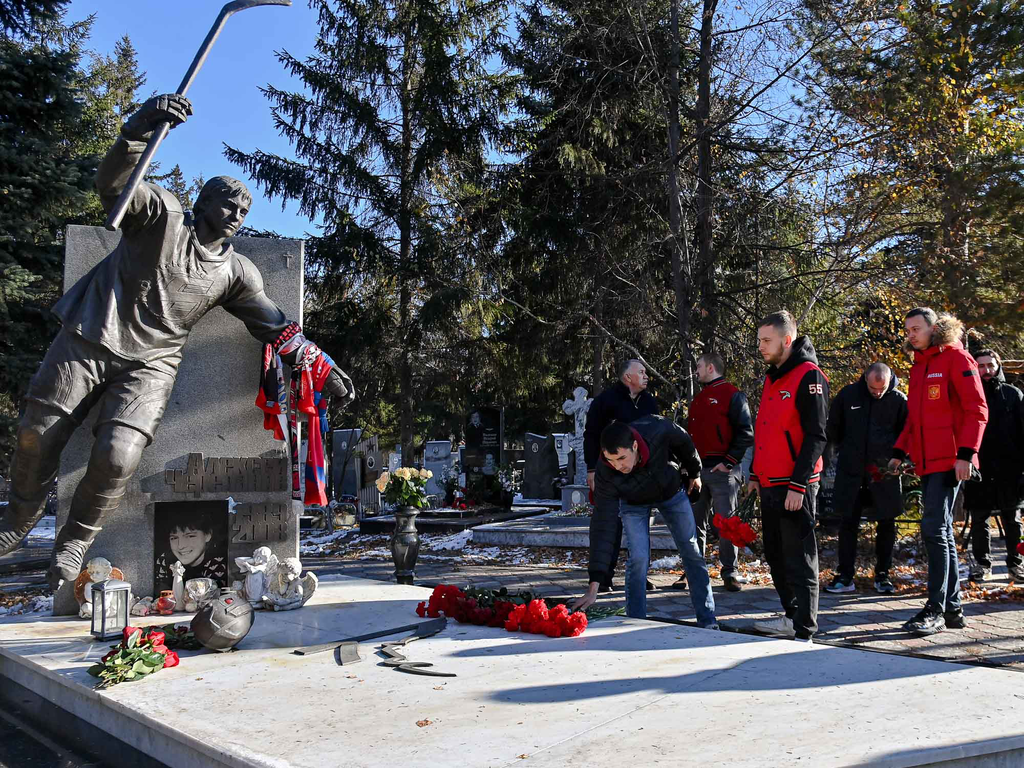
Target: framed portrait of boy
x=194, y=534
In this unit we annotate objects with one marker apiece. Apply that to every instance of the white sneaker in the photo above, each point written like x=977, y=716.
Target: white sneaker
x=782, y=626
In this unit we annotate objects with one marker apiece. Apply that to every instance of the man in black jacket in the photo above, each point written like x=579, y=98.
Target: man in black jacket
x=640, y=469
x=1002, y=463
x=626, y=400
x=865, y=419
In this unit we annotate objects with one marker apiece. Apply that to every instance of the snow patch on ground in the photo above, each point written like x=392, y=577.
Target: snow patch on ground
x=37, y=604
x=667, y=563
x=452, y=541
x=45, y=530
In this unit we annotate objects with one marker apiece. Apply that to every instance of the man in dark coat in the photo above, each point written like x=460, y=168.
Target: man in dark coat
x=626, y=400
x=640, y=468
x=1001, y=457
x=865, y=419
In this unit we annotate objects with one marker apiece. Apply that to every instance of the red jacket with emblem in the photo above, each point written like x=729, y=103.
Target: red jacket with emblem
x=789, y=432
x=719, y=423
x=947, y=411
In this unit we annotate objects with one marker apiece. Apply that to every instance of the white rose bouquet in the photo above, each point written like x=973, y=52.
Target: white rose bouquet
x=406, y=487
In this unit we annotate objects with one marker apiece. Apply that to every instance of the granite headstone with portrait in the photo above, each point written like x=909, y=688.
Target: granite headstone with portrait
x=482, y=454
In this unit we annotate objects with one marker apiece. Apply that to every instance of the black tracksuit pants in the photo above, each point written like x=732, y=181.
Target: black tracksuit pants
x=792, y=554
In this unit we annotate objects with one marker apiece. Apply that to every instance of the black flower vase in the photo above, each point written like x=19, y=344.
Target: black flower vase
x=405, y=544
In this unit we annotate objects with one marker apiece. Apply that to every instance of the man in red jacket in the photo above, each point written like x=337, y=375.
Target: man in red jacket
x=946, y=420
x=789, y=437
x=719, y=423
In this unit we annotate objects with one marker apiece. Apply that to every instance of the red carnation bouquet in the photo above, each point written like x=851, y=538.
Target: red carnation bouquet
x=498, y=608
x=138, y=655
x=736, y=528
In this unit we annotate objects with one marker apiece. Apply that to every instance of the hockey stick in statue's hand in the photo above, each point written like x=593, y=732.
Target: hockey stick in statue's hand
x=121, y=207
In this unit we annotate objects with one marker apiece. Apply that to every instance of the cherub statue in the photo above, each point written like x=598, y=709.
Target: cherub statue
x=98, y=570
x=178, y=584
x=288, y=591
x=259, y=571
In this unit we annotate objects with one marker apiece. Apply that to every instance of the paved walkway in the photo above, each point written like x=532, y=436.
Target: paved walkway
x=865, y=619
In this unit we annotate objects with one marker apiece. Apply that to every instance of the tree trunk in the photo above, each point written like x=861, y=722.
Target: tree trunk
x=599, y=346
x=405, y=384
x=705, y=257
x=680, y=275
x=954, y=255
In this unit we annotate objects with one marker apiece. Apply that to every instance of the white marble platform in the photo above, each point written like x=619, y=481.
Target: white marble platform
x=626, y=693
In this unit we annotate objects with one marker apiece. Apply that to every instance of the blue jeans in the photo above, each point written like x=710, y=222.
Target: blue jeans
x=937, y=499
x=679, y=516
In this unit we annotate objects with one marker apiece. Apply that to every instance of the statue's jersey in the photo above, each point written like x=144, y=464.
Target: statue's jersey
x=143, y=299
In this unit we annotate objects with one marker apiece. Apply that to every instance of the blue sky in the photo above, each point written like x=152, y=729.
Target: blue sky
x=228, y=105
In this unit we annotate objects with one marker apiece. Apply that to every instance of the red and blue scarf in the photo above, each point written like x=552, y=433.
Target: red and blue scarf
x=282, y=408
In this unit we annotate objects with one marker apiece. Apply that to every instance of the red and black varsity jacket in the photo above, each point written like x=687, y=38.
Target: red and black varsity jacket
x=789, y=433
x=719, y=423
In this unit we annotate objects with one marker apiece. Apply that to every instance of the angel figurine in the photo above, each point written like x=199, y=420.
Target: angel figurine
x=98, y=570
x=259, y=571
x=288, y=591
x=178, y=584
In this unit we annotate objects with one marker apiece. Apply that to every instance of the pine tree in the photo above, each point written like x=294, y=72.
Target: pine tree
x=22, y=16
x=398, y=101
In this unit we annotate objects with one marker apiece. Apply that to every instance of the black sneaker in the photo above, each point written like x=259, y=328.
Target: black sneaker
x=650, y=587
x=979, y=573
x=883, y=586
x=927, y=622
x=1016, y=573
x=955, y=619
x=679, y=583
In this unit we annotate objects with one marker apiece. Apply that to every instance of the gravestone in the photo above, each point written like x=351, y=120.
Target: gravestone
x=562, y=448
x=436, y=456
x=346, y=467
x=541, y=467
x=483, y=453
x=211, y=446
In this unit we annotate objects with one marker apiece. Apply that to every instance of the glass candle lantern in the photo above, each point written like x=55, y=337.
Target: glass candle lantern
x=111, y=600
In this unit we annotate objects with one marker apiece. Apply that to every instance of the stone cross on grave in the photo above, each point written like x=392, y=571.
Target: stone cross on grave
x=577, y=408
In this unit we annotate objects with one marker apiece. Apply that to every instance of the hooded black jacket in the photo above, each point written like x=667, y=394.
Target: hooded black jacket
x=864, y=430
x=658, y=479
x=1001, y=456
x=614, y=404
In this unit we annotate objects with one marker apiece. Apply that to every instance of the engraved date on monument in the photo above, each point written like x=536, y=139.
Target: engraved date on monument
x=259, y=523
x=227, y=475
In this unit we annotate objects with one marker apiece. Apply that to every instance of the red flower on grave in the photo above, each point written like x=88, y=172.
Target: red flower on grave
x=1020, y=548
x=156, y=637
x=421, y=609
x=161, y=649
x=171, y=659
x=127, y=632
